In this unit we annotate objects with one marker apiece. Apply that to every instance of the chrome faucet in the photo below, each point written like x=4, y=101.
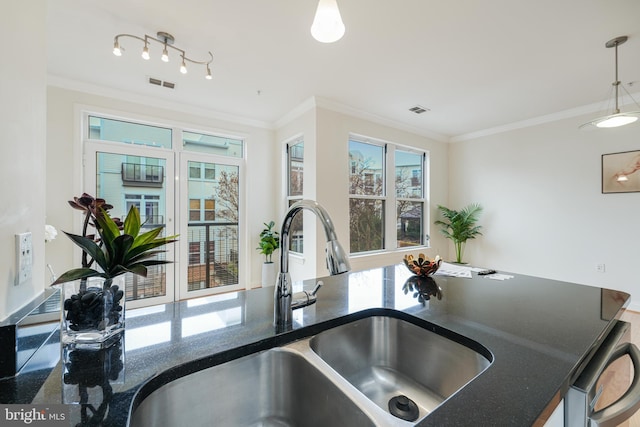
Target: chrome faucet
x=337, y=262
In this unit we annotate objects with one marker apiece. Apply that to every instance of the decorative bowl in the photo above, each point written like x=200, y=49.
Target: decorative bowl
x=422, y=266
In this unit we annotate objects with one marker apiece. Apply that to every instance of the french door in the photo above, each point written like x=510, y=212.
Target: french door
x=210, y=206
x=194, y=195
x=127, y=176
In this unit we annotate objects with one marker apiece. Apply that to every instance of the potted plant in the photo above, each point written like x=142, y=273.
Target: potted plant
x=93, y=308
x=460, y=226
x=269, y=242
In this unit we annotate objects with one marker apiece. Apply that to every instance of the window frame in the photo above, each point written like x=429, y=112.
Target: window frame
x=295, y=240
x=372, y=197
x=389, y=196
x=424, y=239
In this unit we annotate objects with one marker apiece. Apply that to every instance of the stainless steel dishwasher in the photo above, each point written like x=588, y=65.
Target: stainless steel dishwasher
x=607, y=392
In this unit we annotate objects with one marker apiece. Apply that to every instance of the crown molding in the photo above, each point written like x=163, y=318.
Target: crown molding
x=351, y=111
x=319, y=102
x=93, y=89
x=548, y=118
x=306, y=105
x=327, y=104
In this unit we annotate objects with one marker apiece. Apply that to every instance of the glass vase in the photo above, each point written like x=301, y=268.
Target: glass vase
x=89, y=374
x=93, y=311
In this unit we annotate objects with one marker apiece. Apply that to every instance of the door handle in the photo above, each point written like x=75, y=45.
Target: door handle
x=629, y=403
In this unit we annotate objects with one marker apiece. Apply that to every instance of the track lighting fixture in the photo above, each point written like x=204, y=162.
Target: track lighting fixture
x=166, y=40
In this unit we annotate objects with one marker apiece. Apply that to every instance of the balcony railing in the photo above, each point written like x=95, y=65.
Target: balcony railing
x=149, y=220
x=135, y=174
x=213, y=255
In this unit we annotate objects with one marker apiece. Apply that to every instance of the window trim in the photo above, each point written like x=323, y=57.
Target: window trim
x=289, y=199
x=389, y=196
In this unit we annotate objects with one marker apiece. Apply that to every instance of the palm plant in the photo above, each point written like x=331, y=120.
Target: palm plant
x=460, y=226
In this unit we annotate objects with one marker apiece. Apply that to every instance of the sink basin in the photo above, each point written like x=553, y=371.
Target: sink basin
x=384, y=357
x=378, y=370
x=276, y=387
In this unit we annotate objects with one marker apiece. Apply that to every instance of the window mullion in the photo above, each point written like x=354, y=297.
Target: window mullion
x=390, y=204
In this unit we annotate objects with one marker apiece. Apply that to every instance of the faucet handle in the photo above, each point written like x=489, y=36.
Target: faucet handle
x=305, y=298
x=317, y=288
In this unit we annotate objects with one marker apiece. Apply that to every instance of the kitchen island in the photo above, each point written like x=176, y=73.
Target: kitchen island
x=539, y=334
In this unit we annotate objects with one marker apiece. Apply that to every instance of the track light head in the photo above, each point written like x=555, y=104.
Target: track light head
x=116, y=48
x=145, y=52
x=183, y=66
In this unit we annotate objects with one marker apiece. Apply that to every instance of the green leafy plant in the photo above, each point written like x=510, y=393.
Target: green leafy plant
x=269, y=241
x=460, y=226
x=117, y=252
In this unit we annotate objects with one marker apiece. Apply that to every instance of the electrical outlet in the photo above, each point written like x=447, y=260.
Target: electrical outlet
x=600, y=268
x=24, y=257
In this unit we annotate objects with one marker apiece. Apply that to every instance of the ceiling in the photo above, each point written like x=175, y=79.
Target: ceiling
x=476, y=65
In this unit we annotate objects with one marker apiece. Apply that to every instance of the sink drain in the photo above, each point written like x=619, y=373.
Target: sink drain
x=403, y=408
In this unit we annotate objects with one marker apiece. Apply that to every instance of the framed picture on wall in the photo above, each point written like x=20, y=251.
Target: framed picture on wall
x=621, y=172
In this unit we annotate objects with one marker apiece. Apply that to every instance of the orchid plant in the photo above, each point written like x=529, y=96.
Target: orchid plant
x=117, y=248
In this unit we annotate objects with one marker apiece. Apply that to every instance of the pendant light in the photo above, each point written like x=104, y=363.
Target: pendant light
x=617, y=118
x=327, y=25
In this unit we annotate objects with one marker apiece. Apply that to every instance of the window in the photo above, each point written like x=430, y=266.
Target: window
x=409, y=198
x=149, y=207
x=202, y=210
x=194, y=209
x=209, y=210
x=295, y=181
x=104, y=129
x=212, y=144
x=385, y=213
x=367, y=196
x=202, y=171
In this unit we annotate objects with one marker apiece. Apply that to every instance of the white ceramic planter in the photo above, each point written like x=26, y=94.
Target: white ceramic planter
x=269, y=274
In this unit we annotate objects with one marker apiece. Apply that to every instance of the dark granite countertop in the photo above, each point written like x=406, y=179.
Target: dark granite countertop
x=540, y=333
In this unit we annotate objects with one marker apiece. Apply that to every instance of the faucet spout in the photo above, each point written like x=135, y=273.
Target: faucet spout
x=337, y=260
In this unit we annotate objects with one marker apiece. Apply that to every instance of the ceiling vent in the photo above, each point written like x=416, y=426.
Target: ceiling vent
x=419, y=109
x=158, y=82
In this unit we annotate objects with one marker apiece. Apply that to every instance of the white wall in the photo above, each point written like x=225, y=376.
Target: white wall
x=327, y=182
x=64, y=167
x=22, y=145
x=544, y=213
x=303, y=125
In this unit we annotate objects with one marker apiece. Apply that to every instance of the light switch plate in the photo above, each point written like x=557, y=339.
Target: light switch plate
x=24, y=257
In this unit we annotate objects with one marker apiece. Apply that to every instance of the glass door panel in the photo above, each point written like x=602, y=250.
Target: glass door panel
x=210, y=197
x=125, y=178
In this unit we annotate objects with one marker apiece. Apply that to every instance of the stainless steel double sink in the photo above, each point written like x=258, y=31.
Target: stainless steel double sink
x=378, y=370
